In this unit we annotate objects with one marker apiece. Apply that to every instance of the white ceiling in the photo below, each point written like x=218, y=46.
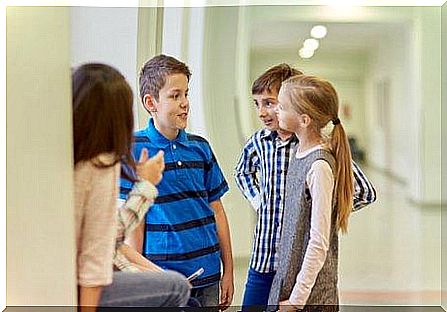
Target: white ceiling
x=343, y=38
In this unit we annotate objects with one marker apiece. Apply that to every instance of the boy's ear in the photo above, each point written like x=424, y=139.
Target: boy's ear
x=149, y=103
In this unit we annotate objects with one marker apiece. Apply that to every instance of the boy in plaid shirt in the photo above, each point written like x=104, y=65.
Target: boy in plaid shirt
x=261, y=176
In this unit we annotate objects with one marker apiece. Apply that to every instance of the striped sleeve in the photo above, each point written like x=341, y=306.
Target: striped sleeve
x=364, y=191
x=215, y=182
x=245, y=174
x=134, y=209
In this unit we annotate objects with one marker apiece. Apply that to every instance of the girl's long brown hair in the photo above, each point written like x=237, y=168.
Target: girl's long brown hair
x=318, y=99
x=102, y=115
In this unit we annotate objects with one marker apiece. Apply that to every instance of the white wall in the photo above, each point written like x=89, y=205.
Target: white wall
x=204, y=38
x=193, y=56
x=444, y=160
x=220, y=91
x=149, y=41
x=430, y=30
x=173, y=30
x=106, y=35
x=392, y=133
x=409, y=146
x=183, y=38
x=40, y=217
x=244, y=101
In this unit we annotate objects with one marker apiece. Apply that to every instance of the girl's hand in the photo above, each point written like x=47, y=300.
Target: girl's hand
x=151, y=169
x=287, y=306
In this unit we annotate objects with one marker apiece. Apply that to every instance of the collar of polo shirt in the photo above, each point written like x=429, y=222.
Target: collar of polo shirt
x=155, y=136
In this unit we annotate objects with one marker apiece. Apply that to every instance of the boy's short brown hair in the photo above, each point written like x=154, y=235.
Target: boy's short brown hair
x=153, y=74
x=271, y=80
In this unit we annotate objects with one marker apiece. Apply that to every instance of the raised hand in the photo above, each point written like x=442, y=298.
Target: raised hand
x=151, y=169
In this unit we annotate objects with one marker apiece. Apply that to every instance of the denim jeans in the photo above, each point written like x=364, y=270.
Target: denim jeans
x=257, y=289
x=146, y=289
x=207, y=296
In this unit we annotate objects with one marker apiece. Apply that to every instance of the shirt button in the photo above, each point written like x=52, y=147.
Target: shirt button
x=179, y=163
x=174, y=146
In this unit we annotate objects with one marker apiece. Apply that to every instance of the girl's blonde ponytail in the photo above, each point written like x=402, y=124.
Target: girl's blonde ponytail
x=344, y=186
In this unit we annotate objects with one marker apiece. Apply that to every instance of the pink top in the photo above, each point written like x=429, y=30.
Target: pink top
x=96, y=191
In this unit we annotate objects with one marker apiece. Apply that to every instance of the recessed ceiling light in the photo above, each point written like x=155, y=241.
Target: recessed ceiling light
x=311, y=44
x=318, y=31
x=306, y=53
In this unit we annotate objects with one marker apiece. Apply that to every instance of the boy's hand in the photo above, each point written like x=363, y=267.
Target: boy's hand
x=151, y=169
x=226, y=291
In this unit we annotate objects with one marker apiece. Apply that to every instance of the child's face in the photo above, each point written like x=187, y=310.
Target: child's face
x=288, y=118
x=172, y=108
x=266, y=104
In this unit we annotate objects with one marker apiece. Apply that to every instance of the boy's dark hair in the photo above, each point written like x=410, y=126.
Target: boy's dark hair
x=271, y=80
x=102, y=115
x=153, y=74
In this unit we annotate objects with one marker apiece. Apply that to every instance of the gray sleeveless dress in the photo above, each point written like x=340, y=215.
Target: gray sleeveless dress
x=295, y=238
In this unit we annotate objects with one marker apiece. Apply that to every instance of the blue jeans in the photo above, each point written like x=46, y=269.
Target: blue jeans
x=206, y=296
x=257, y=289
x=146, y=289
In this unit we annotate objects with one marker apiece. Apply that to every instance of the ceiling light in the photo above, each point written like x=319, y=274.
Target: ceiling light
x=306, y=53
x=311, y=44
x=318, y=31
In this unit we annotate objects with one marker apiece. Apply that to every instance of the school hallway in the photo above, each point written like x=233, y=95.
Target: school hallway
x=387, y=63
x=391, y=254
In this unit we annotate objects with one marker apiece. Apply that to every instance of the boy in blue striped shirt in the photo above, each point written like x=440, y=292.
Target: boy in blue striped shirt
x=261, y=177
x=186, y=229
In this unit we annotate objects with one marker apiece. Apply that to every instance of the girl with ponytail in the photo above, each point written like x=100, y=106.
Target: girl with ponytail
x=319, y=192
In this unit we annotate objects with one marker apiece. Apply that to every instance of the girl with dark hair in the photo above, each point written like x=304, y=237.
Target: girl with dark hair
x=102, y=131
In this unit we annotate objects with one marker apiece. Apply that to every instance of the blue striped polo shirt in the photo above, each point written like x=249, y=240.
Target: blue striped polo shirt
x=181, y=232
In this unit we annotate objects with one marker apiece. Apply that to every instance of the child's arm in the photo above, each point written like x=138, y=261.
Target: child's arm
x=320, y=181
x=364, y=192
x=223, y=232
x=138, y=260
x=89, y=298
x=140, y=198
x=135, y=239
x=131, y=214
x=245, y=174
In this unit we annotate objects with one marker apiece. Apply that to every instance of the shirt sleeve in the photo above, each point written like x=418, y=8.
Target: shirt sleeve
x=215, y=182
x=364, y=192
x=98, y=228
x=132, y=212
x=320, y=181
x=245, y=174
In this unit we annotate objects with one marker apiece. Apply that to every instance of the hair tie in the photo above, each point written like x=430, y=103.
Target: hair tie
x=335, y=121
